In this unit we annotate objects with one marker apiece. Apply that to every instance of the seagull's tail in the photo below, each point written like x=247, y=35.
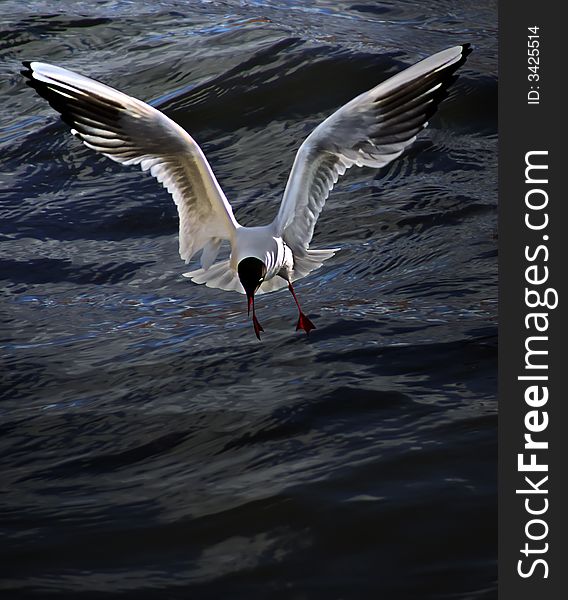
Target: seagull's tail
x=223, y=277
x=310, y=260
x=220, y=276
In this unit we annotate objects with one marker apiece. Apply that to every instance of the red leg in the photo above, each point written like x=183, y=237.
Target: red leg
x=257, y=326
x=303, y=321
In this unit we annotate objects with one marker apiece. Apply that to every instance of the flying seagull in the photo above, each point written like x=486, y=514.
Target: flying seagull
x=370, y=131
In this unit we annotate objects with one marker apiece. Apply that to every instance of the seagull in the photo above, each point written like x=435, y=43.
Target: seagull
x=371, y=130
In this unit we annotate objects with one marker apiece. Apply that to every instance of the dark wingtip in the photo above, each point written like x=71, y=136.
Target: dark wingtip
x=36, y=85
x=466, y=51
x=27, y=72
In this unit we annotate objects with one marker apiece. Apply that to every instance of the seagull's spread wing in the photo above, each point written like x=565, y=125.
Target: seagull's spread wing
x=133, y=133
x=371, y=130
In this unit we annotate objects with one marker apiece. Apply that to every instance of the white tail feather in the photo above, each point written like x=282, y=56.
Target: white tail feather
x=310, y=261
x=221, y=276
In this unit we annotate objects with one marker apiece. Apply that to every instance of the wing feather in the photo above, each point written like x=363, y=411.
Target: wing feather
x=372, y=130
x=131, y=132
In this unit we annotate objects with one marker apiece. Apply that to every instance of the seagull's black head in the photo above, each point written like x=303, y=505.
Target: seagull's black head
x=251, y=273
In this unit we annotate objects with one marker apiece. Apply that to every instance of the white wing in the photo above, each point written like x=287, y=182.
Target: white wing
x=133, y=133
x=371, y=131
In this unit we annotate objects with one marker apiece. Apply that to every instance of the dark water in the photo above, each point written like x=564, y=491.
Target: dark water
x=150, y=446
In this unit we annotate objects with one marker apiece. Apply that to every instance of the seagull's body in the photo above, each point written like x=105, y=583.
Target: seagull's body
x=371, y=130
